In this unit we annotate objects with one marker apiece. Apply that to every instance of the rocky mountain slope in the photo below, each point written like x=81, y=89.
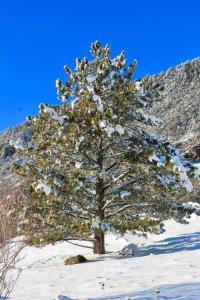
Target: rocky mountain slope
x=178, y=107
x=8, y=154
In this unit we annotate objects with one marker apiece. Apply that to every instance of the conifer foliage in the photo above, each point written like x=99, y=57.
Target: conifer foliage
x=92, y=165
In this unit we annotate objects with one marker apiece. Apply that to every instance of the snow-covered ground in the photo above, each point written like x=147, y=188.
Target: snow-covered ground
x=165, y=266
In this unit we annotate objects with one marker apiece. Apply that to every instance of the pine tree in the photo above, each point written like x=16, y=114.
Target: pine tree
x=93, y=166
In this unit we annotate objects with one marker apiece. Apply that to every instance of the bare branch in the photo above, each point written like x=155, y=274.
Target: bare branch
x=9, y=252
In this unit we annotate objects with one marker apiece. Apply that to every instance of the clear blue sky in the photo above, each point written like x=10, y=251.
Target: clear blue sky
x=37, y=38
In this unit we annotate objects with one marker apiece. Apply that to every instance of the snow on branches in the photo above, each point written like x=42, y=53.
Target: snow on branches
x=109, y=170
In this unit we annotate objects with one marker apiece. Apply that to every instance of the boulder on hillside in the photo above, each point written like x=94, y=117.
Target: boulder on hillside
x=75, y=260
x=8, y=151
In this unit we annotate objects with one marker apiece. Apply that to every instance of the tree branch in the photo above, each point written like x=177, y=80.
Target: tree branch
x=116, y=179
x=89, y=158
x=111, y=166
x=119, y=204
x=86, y=191
x=84, y=246
x=118, y=211
x=113, y=155
x=108, y=202
x=78, y=203
x=77, y=216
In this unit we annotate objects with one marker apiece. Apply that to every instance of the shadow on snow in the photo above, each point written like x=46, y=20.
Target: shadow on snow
x=185, y=291
x=184, y=242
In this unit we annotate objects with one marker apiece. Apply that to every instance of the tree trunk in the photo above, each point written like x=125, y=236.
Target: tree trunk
x=99, y=242
x=99, y=235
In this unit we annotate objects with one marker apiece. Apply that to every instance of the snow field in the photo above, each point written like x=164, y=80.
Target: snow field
x=165, y=266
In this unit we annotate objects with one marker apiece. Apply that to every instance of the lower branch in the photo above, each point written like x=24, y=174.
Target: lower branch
x=84, y=246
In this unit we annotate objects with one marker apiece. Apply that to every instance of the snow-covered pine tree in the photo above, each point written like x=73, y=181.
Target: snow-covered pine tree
x=92, y=164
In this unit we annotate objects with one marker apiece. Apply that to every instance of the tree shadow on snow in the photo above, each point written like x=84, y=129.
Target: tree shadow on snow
x=184, y=242
x=185, y=291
